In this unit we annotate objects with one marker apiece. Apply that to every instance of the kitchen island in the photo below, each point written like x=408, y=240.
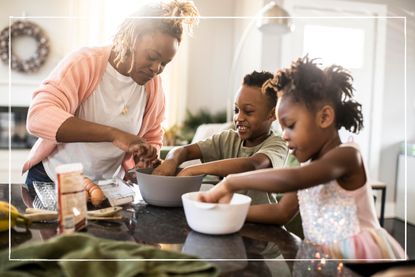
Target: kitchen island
x=256, y=250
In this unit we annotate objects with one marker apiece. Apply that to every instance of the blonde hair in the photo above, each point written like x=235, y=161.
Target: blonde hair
x=167, y=17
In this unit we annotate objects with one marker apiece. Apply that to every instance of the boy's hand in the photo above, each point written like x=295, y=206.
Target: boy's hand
x=218, y=194
x=188, y=171
x=166, y=168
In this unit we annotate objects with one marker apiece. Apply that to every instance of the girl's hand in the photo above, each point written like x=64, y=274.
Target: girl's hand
x=218, y=194
x=167, y=168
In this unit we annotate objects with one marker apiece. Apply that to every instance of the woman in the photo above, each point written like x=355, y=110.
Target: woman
x=104, y=106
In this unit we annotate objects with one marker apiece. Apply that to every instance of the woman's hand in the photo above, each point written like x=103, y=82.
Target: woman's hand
x=129, y=143
x=167, y=168
x=146, y=163
x=221, y=193
x=145, y=155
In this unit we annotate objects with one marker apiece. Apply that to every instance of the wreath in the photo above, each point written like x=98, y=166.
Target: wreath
x=24, y=28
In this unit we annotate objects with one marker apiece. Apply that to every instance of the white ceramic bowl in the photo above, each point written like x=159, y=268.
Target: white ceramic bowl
x=165, y=191
x=216, y=219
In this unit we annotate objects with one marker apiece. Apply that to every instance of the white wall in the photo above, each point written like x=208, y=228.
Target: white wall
x=212, y=50
x=69, y=24
x=24, y=84
x=57, y=30
x=210, y=55
x=394, y=128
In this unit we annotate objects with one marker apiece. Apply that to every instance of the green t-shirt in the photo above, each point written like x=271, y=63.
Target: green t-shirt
x=228, y=144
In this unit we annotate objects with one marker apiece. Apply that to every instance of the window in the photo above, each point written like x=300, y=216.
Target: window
x=335, y=45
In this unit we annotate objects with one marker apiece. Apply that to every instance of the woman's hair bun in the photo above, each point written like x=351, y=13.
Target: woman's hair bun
x=182, y=12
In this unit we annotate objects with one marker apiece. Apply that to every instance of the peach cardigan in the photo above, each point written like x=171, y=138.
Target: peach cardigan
x=70, y=84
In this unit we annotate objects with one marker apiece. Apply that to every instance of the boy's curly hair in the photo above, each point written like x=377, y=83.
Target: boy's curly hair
x=305, y=82
x=258, y=79
x=164, y=16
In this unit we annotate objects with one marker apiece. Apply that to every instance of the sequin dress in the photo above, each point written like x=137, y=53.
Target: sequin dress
x=344, y=223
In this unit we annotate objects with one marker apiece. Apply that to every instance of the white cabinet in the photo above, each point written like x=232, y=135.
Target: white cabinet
x=17, y=158
x=400, y=189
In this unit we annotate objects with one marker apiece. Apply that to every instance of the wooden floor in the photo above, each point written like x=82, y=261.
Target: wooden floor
x=395, y=227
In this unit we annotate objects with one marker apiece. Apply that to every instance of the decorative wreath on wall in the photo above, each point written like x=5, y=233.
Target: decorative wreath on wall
x=24, y=28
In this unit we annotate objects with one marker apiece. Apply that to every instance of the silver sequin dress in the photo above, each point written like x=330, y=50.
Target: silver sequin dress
x=344, y=223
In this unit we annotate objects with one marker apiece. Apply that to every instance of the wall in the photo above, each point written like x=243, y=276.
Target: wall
x=57, y=30
x=22, y=85
x=212, y=81
x=394, y=127
x=210, y=55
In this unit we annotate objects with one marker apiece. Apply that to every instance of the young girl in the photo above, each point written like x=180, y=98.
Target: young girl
x=334, y=196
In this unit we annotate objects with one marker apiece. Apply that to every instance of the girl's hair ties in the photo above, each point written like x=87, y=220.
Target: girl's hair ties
x=269, y=84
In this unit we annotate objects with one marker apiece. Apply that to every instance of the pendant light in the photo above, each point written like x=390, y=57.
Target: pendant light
x=274, y=19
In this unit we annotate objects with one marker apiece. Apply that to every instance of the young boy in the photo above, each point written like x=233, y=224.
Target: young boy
x=253, y=145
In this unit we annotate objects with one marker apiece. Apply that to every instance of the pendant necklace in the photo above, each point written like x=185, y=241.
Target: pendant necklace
x=124, y=110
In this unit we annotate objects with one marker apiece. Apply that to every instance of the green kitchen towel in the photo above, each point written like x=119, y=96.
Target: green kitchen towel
x=60, y=256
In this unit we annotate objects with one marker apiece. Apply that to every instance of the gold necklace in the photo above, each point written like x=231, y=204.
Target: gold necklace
x=124, y=110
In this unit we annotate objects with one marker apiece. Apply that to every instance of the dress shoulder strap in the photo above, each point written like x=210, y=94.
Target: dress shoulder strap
x=357, y=147
x=350, y=144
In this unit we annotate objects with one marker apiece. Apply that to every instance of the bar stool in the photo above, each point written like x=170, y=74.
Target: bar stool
x=378, y=185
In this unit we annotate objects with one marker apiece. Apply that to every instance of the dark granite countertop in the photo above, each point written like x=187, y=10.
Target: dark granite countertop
x=256, y=250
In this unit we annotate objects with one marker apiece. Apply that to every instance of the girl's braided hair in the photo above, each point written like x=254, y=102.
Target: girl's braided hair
x=305, y=82
x=164, y=16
